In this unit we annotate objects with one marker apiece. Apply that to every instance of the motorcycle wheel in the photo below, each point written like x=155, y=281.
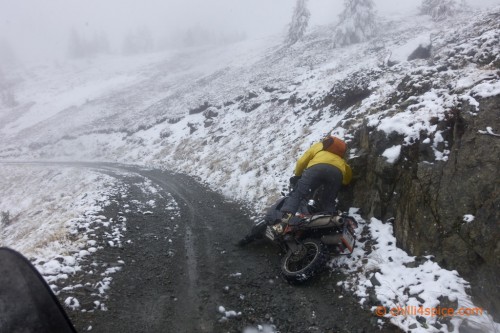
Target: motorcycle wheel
x=298, y=267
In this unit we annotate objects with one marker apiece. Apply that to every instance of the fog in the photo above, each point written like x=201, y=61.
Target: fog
x=48, y=30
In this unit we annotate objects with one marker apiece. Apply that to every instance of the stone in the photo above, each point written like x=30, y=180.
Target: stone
x=428, y=199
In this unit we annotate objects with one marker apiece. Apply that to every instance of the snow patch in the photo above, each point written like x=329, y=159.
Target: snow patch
x=392, y=153
x=399, y=280
x=469, y=218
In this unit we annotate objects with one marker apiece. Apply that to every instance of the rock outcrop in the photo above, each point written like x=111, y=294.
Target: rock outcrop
x=449, y=209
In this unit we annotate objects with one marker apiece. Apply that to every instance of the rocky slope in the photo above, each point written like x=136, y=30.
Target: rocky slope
x=444, y=179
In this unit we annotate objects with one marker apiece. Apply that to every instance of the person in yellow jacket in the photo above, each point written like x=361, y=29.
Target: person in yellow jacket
x=322, y=164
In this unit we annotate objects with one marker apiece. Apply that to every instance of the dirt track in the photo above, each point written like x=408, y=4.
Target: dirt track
x=180, y=270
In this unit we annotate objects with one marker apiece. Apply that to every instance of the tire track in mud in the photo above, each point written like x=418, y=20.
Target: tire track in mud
x=196, y=242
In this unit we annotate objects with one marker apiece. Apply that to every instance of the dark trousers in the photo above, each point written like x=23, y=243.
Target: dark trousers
x=312, y=178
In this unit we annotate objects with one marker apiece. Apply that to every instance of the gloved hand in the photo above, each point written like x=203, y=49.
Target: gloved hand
x=294, y=180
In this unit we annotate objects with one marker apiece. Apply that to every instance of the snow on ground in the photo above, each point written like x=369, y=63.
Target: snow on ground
x=408, y=288
x=52, y=214
x=246, y=141
x=262, y=108
x=84, y=81
x=392, y=153
x=260, y=329
x=41, y=201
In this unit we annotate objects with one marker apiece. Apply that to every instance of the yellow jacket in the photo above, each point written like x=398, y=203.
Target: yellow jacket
x=316, y=155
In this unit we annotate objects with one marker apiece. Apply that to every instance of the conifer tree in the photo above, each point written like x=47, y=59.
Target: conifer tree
x=357, y=22
x=439, y=9
x=7, y=54
x=76, y=45
x=300, y=20
x=138, y=41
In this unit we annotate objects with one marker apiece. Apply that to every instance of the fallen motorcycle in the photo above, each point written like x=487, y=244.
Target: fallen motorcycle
x=308, y=241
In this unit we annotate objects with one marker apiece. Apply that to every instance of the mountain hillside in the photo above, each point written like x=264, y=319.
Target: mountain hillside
x=418, y=105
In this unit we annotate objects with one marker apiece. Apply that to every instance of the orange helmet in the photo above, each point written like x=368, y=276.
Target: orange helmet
x=335, y=145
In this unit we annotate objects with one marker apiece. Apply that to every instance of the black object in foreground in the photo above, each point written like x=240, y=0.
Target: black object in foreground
x=26, y=302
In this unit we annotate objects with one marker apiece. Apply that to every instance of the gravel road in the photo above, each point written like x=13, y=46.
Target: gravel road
x=182, y=271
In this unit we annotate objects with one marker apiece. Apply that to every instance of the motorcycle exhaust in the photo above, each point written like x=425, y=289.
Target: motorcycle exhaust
x=325, y=221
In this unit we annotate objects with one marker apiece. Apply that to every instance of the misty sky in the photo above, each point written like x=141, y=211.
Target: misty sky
x=40, y=29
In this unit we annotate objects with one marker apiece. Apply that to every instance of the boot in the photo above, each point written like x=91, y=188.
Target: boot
x=245, y=240
x=257, y=232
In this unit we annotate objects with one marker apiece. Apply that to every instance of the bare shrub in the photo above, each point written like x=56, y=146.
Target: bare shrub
x=245, y=166
x=5, y=218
